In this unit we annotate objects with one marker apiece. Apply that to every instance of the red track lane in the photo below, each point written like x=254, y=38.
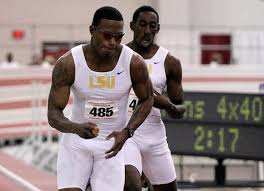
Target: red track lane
x=7, y=184
x=36, y=177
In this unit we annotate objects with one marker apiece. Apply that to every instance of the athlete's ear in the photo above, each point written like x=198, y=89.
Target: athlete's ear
x=92, y=29
x=132, y=25
x=158, y=28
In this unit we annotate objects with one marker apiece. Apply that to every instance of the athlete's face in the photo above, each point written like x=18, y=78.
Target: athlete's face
x=145, y=28
x=107, y=36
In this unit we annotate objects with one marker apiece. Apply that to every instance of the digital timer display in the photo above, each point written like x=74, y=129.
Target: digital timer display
x=223, y=107
x=214, y=140
x=219, y=125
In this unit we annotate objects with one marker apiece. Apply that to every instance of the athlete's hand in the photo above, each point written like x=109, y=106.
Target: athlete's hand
x=87, y=130
x=120, y=139
x=176, y=111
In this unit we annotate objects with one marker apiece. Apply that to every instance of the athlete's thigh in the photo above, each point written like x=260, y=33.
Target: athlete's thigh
x=172, y=186
x=132, y=179
x=108, y=174
x=133, y=154
x=158, y=164
x=74, y=166
x=70, y=189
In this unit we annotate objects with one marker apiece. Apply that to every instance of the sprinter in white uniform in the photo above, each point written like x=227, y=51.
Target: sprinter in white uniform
x=148, y=149
x=100, y=76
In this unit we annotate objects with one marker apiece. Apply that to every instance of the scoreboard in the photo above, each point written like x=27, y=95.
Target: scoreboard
x=219, y=125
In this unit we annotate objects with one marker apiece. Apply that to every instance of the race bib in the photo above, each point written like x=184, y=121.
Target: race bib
x=132, y=103
x=100, y=110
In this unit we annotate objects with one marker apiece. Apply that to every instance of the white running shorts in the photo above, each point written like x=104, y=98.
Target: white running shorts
x=152, y=155
x=82, y=161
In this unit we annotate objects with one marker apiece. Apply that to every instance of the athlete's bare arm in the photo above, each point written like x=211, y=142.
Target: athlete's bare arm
x=174, y=105
x=142, y=87
x=62, y=79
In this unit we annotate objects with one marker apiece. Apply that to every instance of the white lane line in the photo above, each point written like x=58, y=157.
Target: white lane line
x=18, y=179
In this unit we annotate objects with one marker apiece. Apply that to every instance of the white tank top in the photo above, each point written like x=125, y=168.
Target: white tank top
x=101, y=97
x=157, y=75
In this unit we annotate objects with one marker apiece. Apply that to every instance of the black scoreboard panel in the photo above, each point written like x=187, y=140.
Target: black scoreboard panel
x=219, y=125
x=215, y=140
x=225, y=107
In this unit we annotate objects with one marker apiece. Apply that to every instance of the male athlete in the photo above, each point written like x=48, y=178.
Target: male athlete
x=148, y=149
x=100, y=75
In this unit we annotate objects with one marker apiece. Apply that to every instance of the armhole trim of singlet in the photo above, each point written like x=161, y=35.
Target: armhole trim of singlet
x=129, y=59
x=77, y=55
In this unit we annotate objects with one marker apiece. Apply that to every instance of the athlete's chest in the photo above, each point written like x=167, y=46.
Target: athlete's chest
x=110, y=85
x=156, y=71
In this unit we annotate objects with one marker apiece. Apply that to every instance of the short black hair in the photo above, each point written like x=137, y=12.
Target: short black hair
x=144, y=8
x=106, y=12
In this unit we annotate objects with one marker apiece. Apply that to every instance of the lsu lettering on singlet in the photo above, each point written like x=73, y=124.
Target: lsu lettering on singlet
x=101, y=97
x=157, y=75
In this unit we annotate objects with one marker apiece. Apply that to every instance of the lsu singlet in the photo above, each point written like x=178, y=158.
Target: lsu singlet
x=157, y=75
x=101, y=97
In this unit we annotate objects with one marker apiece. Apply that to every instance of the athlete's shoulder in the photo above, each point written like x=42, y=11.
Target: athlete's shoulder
x=137, y=59
x=65, y=61
x=172, y=64
x=172, y=60
x=65, y=66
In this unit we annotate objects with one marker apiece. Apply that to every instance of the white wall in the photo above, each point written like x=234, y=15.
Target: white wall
x=227, y=12
x=50, y=20
x=175, y=22
x=182, y=21
x=174, y=12
x=59, y=11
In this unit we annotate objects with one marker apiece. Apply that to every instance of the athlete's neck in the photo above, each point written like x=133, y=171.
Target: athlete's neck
x=145, y=52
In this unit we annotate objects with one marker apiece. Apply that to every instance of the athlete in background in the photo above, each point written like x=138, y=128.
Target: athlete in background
x=148, y=149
